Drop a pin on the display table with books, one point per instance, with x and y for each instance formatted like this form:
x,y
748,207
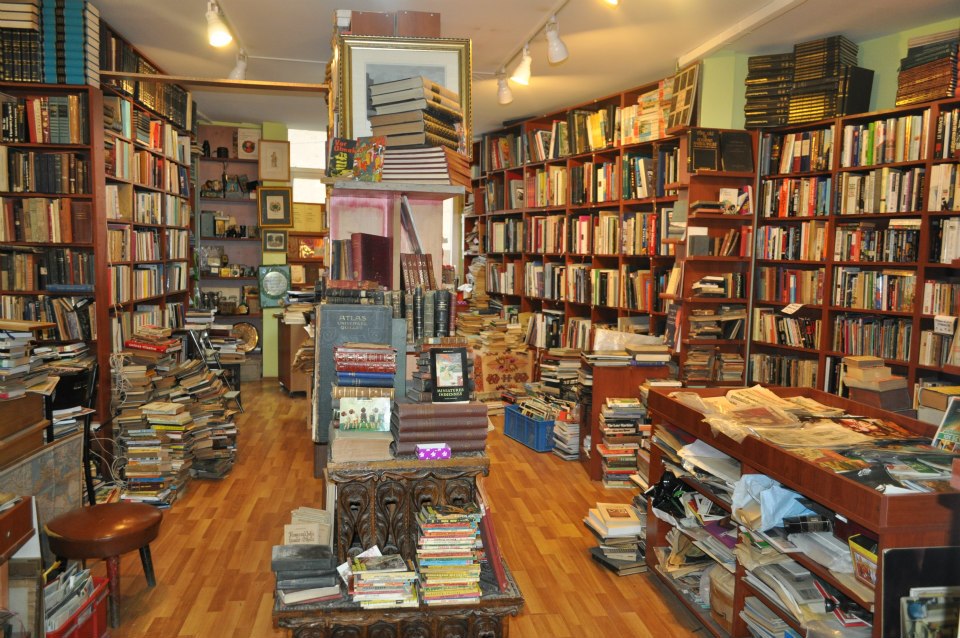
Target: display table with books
x,y
343,618
377,501
860,489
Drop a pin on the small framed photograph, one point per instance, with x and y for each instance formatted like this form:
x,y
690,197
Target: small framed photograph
x,y
275,241
248,143
274,160
274,205
448,367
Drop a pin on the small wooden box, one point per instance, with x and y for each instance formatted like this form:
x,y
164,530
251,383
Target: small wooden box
x,y
418,24
372,23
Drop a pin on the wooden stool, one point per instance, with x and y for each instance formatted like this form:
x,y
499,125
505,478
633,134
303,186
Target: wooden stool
x,y
107,531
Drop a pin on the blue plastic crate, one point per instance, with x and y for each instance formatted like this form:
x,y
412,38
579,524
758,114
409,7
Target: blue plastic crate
x,y
535,434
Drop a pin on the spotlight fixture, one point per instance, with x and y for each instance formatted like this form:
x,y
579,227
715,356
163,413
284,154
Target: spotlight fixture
x,y
240,70
612,2
504,92
521,74
217,32
556,49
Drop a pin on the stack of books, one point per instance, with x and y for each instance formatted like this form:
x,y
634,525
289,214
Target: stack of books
x,y
826,80
623,424
559,372
226,343
462,426
769,80
620,529
448,551
70,42
870,381
416,111
428,165
420,385
363,416
929,71
306,571
157,451
566,439
384,582
21,33
196,319
19,368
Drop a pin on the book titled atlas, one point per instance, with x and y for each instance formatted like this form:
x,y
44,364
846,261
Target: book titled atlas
x,y
448,367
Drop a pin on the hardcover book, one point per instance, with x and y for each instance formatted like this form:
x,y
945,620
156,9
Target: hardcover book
x,y
372,258
294,557
704,146
342,153
338,324
448,367
365,413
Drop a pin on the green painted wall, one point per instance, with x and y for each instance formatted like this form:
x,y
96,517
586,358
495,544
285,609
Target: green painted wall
x,y
721,88
271,328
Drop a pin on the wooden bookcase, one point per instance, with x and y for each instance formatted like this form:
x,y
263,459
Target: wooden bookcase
x,y
901,520
857,230
81,155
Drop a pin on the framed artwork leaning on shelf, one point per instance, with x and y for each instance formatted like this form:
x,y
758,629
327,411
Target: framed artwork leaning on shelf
x,y
274,160
366,60
275,206
275,241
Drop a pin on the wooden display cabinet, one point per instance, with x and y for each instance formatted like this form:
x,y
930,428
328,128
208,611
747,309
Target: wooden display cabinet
x,y
291,337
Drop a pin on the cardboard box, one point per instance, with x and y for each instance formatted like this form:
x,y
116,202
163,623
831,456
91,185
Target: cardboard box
x,y
721,597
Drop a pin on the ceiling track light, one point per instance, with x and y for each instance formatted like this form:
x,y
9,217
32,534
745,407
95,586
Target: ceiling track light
x,y
239,71
612,2
218,34
504,92
556,49
521,74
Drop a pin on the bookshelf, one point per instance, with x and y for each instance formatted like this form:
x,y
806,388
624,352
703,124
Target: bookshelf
x,y
854,507
147,215
52,191
856,203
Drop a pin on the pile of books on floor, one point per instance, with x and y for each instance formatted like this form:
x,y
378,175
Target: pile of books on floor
x,y
416,111
226,343
929,70
380,582
566,438
362,395
623,424
769,80
559,372
305,568
158,453
461,427
448,549
620,529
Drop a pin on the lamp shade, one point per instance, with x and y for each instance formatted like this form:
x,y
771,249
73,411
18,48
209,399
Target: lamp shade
x,y
521,74
556,49
504,92
239,72
217,32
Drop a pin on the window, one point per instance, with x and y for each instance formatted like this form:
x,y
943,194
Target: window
x,y
307,162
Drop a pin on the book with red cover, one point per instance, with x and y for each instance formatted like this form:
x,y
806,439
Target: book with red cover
x,y
82,227
372,257
434,425
418,411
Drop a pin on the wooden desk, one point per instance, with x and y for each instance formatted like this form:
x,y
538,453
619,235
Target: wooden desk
x,y
377,501
345,619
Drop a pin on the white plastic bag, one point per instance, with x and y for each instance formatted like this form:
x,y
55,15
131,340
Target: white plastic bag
x,y
761,503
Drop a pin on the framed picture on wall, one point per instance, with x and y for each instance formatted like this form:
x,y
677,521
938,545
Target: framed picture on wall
x,y
274,241
274,161
275,206
366,60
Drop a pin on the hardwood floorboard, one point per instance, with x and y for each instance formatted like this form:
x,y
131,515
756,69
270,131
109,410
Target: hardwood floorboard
x,y
212,558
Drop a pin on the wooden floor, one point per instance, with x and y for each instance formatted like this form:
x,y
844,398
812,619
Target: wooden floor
x,y
212,559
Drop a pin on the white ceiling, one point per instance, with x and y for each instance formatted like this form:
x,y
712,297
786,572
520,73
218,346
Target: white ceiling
x,y
611,48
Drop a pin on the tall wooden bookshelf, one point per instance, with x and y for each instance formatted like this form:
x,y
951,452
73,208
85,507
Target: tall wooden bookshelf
x,y
864,205
53,256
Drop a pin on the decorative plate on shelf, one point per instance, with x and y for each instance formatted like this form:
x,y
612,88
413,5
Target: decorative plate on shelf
x,y
274,284
247,334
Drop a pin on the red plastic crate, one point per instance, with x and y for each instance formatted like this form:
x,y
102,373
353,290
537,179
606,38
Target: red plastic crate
x,y
90,621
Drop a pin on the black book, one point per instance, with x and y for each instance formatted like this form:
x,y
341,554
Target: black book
x,y
418,313
301,557
619,567
448,367
736,151
704,147
305,573
441,315
308,582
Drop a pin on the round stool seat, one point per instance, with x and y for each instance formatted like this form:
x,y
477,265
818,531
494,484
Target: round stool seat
x,y
103,531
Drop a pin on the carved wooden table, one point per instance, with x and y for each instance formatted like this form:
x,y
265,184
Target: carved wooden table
x,y
377,501
344,619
